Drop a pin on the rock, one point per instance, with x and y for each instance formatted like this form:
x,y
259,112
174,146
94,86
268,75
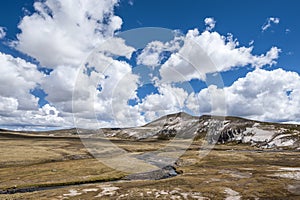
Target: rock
x,y
165,172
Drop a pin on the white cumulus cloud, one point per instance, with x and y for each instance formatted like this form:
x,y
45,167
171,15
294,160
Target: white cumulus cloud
x,y
18,78
105,92
210,52
18,107
266,95
169,99
64,32
261,95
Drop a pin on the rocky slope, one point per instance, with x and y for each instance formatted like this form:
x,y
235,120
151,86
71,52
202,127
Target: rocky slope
x,y
215,129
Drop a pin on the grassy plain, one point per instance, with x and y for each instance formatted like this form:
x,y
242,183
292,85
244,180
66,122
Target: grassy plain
x,y
62,168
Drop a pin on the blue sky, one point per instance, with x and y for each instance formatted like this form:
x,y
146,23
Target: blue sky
x,y
51,51
243,19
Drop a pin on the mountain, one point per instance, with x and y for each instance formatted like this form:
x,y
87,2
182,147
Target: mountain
x,y
215,129
212,129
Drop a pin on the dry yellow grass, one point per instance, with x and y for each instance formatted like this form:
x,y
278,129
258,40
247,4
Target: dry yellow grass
x,y
227,171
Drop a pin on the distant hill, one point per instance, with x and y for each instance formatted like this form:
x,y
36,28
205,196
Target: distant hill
x,y
214,129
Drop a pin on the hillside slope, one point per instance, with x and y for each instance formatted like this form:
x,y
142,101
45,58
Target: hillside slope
x,y
212,129
215,129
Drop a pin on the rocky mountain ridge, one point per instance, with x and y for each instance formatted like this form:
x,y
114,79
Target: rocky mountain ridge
x,y
215,129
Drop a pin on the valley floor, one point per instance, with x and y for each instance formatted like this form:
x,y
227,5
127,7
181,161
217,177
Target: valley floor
x,y
61,168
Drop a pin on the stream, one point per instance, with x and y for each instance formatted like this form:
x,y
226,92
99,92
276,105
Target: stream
x,y
165,172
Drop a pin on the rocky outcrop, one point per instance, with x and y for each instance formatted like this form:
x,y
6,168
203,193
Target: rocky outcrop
x,y
165,172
